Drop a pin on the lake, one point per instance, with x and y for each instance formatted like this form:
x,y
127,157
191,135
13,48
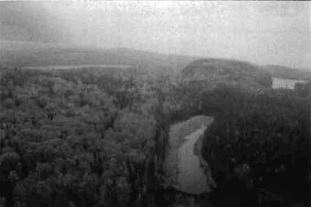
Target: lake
x,y
85,66
285,83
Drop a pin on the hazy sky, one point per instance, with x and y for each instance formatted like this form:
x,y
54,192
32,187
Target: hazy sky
x,y
260,32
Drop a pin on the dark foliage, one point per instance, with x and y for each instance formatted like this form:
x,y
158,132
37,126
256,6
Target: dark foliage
x,y
78,138
258,149
98,137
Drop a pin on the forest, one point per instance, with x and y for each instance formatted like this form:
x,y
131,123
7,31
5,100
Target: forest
x,y
259,148
97,137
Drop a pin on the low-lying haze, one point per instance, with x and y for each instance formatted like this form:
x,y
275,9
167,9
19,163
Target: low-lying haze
x,y
260,32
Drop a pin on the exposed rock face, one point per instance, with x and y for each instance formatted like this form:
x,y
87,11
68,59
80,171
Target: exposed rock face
x,y
211,72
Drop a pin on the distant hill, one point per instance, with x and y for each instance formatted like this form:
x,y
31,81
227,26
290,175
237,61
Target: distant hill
x,y
25,54
286,72
212,72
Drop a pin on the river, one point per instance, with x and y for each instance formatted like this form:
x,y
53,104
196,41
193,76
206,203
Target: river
x,y
187,171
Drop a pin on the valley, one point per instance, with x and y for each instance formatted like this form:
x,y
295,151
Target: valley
x,y
208,132
155,104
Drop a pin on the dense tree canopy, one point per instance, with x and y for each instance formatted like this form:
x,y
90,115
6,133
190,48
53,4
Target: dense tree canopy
x,y
75,138
98,137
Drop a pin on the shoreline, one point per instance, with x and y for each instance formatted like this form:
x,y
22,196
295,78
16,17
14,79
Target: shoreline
x,y
185,165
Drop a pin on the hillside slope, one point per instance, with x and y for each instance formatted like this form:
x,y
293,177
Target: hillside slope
x,y
21,54
211,72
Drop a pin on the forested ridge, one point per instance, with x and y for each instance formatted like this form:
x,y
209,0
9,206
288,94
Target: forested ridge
x,y
98,137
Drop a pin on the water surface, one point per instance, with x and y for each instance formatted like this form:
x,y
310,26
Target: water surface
x,y
285,83
191,177
185,168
